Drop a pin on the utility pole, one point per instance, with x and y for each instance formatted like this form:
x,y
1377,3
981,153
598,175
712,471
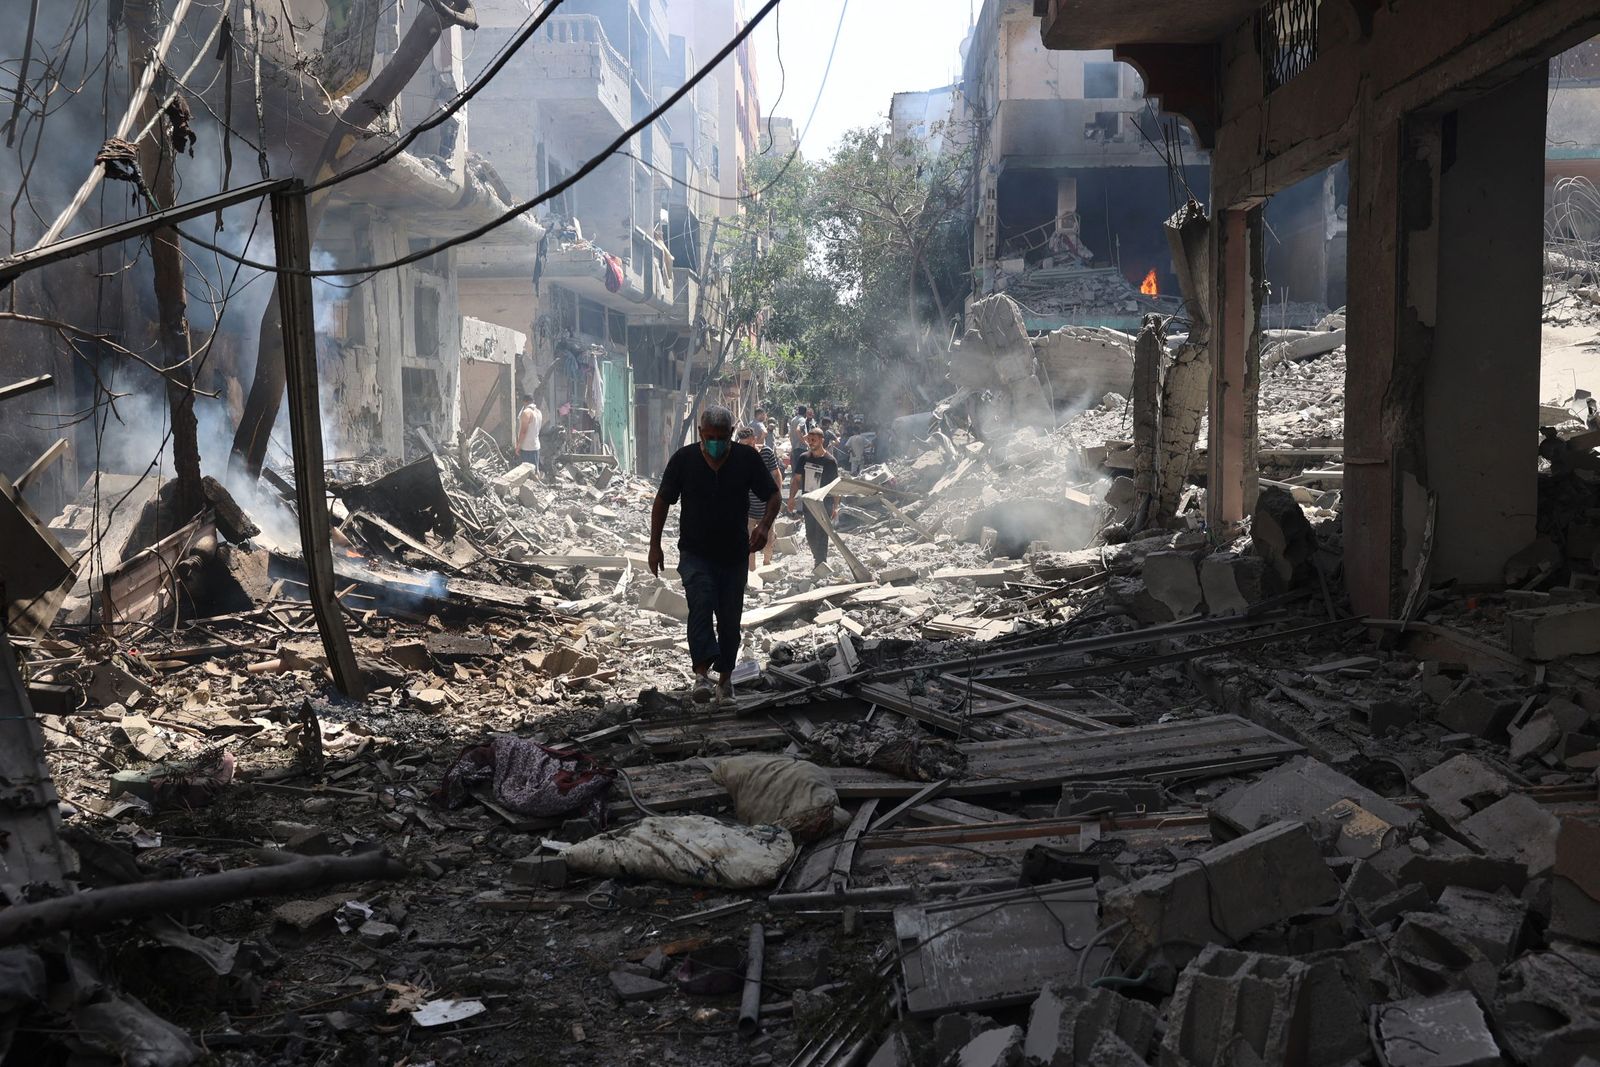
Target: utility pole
x,y
158,164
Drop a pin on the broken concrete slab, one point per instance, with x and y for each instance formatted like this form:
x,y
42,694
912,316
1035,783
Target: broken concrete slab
x,y
1476,713
1545,1008
1303,789
1541,733
1232,582
663,598
1281,535
1443,1031
1578,854
1066,1022
1173,579
1518,828
635,987
1544,634
1190,906
1497,923
1460,786
1001,1047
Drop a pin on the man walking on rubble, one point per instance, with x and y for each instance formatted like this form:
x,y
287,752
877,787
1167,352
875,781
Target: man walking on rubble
x,y
530,422
714,479
814,468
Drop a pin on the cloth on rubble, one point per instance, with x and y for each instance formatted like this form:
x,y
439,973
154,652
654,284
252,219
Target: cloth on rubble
x,y
530,779
901,751
782,791
613,273
687,850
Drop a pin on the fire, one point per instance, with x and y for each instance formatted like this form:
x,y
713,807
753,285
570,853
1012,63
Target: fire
x,y
1149,288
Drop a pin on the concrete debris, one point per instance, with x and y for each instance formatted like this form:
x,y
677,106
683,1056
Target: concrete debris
x,y
1189,906
1449,1030
1283,1011
1070,1026
1183,744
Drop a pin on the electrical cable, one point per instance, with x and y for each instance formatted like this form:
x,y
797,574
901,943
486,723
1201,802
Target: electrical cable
x,y
798,141
532,26
528,205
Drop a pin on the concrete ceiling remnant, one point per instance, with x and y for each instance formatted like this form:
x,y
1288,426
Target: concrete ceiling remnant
x,y
1084,24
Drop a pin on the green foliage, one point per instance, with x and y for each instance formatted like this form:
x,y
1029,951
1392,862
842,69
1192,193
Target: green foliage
x,y
852,269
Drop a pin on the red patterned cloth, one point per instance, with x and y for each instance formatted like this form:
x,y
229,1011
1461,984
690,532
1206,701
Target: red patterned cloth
x,y
530,779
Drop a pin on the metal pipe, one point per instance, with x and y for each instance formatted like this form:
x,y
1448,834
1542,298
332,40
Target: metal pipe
x,y
878,893
750,1005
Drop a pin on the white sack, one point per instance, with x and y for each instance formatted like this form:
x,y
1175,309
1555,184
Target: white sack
x,y
687,850
782,791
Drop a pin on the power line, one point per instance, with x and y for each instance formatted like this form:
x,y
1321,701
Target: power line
x,y
529,28
798,141
527,205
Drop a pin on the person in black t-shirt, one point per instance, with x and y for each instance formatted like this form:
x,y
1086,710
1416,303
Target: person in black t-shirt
x,y
814,468
714,479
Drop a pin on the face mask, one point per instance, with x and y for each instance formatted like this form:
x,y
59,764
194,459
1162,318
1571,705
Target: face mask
x,y
717,449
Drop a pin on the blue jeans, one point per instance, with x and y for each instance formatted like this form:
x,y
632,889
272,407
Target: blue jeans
x,y
529,455
715,592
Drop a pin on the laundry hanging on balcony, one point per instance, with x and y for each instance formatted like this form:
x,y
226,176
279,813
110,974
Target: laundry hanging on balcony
x,y
613,273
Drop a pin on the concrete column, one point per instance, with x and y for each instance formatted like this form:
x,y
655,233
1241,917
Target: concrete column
x,y
1441,408
1067,205
1235,367
1480,392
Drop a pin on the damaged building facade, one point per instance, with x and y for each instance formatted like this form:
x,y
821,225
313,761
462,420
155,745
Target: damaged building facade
x,y
617,301
1075,169
1442,122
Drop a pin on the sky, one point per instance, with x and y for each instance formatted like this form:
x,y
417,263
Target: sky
x,y
886,47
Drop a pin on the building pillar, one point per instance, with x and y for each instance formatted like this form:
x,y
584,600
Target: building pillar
x,y
1444,336
1232,478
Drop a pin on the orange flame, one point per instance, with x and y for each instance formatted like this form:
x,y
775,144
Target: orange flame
x,y
1149,288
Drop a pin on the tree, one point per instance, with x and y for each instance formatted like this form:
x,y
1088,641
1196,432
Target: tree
x,y
854,268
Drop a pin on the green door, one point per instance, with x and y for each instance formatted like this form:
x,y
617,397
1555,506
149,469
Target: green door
x,y
616,422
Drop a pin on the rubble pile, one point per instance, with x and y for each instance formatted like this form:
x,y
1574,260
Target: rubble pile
x,y
993,790
1571,296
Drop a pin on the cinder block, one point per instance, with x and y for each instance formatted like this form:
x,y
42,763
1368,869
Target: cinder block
x,y
1225,893
1553,632
1285,1012
540,869
1067,1022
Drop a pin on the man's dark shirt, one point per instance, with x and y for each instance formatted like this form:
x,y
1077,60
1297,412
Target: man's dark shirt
x,y
715,502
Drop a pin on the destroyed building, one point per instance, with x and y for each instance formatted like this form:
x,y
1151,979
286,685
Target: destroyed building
x,y
1215,689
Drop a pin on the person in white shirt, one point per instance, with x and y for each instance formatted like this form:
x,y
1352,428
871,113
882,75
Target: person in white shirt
x,y
529,423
